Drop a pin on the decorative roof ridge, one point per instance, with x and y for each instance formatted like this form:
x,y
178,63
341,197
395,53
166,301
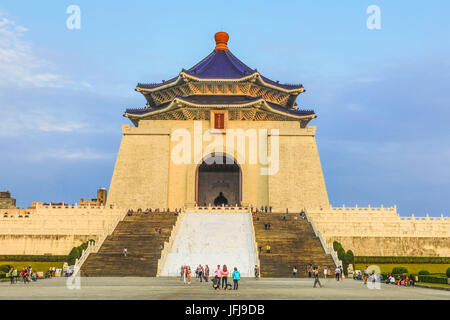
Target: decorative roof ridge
x,y
208,57
235,59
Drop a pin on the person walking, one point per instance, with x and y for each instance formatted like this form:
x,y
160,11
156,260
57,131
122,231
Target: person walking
x,y
125,251
256,272
316,277
14,275
268,248
206,273
325,272
236,277
189,275
24,275
200,272
337,272
185,274
294,271
341,273
219,274
225,274
366,274
310,270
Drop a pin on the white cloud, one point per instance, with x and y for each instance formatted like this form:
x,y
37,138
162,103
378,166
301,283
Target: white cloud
x,y
16,122
71,155
19,66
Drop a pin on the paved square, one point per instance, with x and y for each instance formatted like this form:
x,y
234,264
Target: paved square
x,y
174,289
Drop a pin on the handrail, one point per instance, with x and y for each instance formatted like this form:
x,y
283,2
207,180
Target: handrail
x,y
79,262
168,244
328,249
258,262
93,248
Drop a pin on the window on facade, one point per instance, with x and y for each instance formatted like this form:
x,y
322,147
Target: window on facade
x,y
219,119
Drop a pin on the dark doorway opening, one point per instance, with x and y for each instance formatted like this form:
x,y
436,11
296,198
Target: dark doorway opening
x,y
219,181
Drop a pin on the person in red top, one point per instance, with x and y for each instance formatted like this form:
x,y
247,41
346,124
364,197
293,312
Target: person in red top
x,y
225,274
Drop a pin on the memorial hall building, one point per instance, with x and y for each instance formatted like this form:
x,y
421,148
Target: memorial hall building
x,y
209,148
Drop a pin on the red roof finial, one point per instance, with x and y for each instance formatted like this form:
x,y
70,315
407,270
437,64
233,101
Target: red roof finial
x,y
221,41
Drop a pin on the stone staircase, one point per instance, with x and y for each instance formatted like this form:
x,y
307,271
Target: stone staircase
x,y
137,234
293,243
212,238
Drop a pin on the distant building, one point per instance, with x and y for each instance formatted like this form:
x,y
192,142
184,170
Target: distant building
x,y
6,202
45,204
99,201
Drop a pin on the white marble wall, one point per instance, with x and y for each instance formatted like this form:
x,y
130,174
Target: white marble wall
x,y
210,239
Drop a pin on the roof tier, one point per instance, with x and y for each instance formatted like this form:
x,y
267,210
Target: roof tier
x,y
220,80
197,108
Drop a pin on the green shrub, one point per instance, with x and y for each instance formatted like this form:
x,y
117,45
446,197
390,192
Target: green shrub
x,y
73,255
35,258
424,272
448,272
336,246
392,260
433,279
83,246
399,270
341,254
350,257
5,268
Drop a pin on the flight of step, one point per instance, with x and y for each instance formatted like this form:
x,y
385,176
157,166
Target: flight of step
x,y
137,234
293,243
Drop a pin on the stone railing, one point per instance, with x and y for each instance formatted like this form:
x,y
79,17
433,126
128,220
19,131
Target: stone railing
x,y
327,248
109,230
219,209
168,244
258,263
93,248
79,262
363,209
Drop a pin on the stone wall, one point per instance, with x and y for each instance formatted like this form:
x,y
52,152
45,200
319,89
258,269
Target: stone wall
x,y
145,174
382,232
52,229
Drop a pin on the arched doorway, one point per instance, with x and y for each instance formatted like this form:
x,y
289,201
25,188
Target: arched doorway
x,y
218,181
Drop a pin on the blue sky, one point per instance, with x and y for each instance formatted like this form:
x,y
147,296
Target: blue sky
x,y
382,96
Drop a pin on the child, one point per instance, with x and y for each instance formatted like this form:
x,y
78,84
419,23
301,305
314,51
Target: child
x,y
236,277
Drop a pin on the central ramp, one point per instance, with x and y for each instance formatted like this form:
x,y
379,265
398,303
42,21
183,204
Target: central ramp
x,y
212,238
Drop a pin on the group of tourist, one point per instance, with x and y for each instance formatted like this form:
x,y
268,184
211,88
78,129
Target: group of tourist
x,y
221,275
130,212
401,280
27,275
268,248
314,272
263,209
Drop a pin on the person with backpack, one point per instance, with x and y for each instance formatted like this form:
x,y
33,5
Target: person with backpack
x,y
256,272
236,277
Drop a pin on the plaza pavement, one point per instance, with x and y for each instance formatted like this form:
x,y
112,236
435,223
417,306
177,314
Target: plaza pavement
x,y
174,289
